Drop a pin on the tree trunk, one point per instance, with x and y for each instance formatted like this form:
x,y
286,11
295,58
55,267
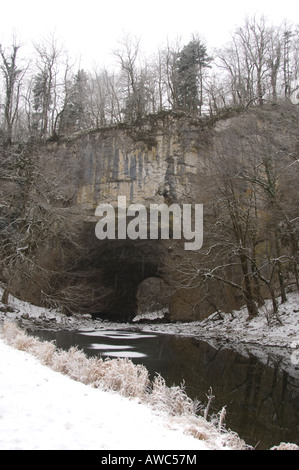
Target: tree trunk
x,y
279,270
250,303
5,297
256,284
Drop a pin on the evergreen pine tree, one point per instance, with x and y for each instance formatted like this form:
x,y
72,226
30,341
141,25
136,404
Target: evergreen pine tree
x,y
192,59
74,112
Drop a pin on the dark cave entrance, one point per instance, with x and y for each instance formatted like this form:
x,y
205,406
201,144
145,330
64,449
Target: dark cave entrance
x,y
113,270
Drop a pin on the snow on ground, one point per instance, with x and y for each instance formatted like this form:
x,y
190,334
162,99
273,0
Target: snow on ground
x,y
41,409
265,336
280,331
44,410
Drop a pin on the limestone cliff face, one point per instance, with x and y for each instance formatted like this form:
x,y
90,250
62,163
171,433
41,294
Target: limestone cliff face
x,y
147,166
163,160
167,158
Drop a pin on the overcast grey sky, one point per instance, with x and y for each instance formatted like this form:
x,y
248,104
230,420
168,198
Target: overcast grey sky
x,y
91,28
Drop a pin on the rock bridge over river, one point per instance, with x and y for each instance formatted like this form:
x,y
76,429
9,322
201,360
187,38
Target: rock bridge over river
x,y
161,161
164,159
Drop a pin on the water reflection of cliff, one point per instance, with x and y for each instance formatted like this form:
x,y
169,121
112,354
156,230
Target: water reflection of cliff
x,y
262,401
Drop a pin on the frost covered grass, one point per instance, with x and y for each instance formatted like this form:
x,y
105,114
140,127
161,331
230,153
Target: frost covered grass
x,y
119,375
129,380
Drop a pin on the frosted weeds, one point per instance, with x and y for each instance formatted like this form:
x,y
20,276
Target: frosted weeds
x,y
130,380
172,400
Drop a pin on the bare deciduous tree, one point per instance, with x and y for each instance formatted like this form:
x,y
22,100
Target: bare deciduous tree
x,y
13,76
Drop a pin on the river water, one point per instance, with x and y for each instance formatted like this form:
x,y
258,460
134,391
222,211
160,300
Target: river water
x,y
261,399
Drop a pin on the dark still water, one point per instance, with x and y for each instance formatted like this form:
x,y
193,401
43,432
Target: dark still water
x,y
262,401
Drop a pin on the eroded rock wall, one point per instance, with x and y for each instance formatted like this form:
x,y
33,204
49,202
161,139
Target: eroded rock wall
x,y
162,162
163,159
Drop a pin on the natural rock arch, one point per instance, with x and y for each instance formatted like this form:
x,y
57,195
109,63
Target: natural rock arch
x,y
152,297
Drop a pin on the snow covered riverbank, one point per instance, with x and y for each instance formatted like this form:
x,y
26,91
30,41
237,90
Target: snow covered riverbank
x,y
266,330
41,408
263,336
